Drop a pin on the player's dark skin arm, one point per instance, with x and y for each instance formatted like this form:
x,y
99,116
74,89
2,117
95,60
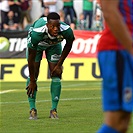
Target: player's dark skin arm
x,y
31,61
65,52
58,68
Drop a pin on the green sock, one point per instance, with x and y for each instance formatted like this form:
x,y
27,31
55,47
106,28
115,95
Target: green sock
x,y
55,91
28,81
32,101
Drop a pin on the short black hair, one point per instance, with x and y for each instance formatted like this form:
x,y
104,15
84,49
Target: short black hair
x,y
53,15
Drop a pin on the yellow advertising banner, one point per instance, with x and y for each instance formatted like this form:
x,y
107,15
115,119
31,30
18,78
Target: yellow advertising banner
x,y
80,69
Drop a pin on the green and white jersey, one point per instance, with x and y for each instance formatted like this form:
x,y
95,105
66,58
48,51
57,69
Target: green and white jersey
x,y
38,34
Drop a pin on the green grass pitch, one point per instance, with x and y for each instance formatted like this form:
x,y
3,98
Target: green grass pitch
x,y
79,109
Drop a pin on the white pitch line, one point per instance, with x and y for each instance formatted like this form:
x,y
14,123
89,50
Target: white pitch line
x,y
75,85
63,86
47,90
6,91
67,99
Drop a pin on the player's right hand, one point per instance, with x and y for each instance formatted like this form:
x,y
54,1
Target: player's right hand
x,y
30,88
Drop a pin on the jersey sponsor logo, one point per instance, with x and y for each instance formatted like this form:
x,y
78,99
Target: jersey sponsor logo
x,y
60,38
43,43
55,57
48,42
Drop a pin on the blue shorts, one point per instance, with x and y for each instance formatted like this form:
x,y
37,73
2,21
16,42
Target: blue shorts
x,y
116,69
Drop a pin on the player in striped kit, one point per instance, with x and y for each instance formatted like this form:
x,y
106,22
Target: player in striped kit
x,y
115,57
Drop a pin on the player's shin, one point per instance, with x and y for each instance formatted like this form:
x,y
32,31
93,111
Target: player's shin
x,y
55,91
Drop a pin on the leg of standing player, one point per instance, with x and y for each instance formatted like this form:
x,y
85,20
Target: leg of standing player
x,y
55,90
53,54
32,100
116,90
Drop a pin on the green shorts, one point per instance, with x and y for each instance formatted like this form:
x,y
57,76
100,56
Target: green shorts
x,y
52,53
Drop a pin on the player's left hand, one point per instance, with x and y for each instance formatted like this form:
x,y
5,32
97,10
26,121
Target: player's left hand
x,y
57,71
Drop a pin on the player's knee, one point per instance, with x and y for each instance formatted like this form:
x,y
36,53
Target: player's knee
x,y
122,125
123,128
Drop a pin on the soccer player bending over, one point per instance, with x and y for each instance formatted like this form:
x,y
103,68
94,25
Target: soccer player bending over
x,y
46,34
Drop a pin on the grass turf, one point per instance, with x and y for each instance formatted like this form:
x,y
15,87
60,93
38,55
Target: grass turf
x,y
79,108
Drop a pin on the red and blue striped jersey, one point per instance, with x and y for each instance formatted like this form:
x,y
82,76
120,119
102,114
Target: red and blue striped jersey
x,y
107,40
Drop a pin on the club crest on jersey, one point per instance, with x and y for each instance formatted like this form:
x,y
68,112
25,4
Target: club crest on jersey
x,y
60,38
127,94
